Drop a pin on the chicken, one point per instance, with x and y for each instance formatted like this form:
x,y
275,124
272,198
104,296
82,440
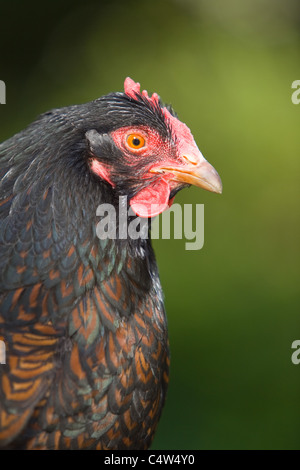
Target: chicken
x,y
82,316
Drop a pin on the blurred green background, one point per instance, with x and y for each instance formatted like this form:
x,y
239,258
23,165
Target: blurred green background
x,y
227,68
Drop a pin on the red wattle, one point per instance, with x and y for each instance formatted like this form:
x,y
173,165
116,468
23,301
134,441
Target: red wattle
x,y
151,200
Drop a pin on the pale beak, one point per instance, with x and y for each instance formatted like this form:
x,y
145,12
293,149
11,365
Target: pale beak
x,y
200,173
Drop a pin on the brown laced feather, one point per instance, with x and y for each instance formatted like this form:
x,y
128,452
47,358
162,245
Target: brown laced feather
x,y
82,319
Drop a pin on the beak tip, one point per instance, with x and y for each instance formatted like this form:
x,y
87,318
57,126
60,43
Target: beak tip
x,y
219,188
214,181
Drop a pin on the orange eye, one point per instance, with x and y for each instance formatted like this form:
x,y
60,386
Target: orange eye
x,y
135,141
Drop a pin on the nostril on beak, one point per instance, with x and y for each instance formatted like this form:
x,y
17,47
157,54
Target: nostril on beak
x,y
191,159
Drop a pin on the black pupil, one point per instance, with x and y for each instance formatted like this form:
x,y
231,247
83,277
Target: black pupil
x,y
136,141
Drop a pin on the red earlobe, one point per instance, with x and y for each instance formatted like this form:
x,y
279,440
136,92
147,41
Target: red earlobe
x,y
100,170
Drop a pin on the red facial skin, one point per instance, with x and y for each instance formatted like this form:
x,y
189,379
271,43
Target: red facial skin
x,y
155,198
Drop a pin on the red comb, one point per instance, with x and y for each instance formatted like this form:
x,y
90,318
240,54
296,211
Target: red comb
x,y
133,88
